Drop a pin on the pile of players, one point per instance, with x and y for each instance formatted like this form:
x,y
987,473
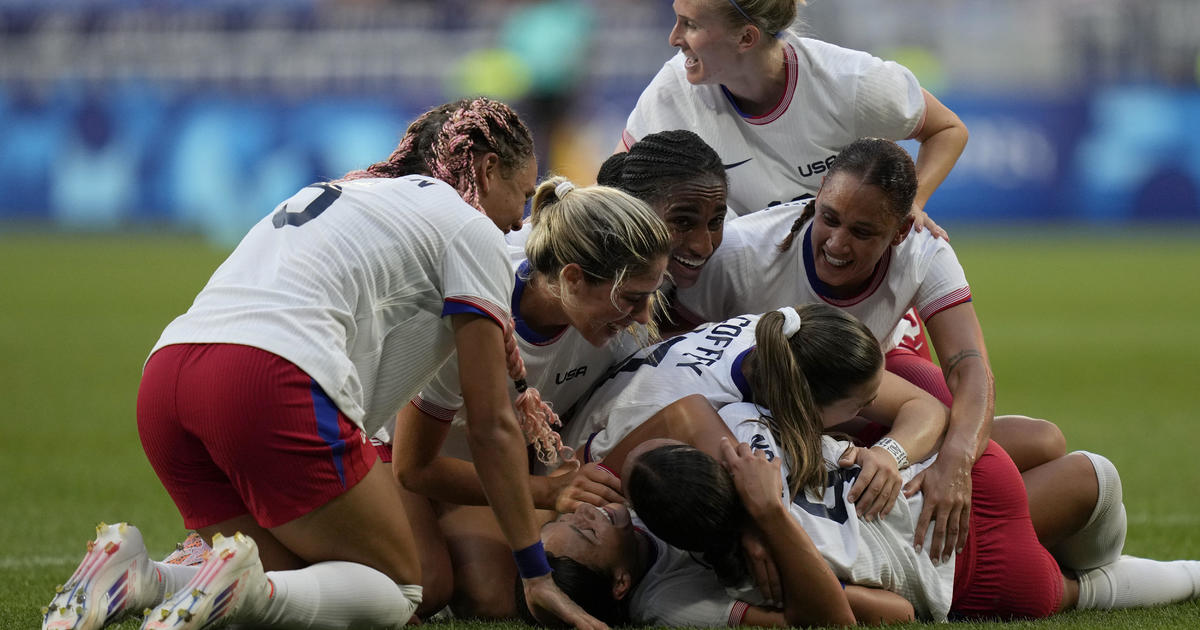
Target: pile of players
x,y
357,415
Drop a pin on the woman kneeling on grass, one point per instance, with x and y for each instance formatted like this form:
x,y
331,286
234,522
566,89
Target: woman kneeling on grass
x,y
255,406
584,284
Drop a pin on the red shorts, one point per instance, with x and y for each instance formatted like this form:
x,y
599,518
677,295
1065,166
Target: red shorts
x,y
233,429
1004,572
919,371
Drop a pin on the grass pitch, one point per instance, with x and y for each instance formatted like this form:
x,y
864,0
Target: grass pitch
x,y
1098,332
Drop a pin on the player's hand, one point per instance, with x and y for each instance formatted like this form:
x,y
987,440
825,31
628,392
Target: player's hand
x,y
762,567
947,488
587,484
551,607
758,480
922,220
878,485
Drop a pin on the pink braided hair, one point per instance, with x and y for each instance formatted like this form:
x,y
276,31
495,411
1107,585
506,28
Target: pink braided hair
x,y
470,126
534,415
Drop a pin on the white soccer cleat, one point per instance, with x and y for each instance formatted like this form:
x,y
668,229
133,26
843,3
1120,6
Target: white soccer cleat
x,y
114,579
229,582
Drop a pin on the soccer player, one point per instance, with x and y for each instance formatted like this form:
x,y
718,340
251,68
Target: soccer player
x,y
747,358
1003,571
255,405
585,280
682,178
778,107
852,247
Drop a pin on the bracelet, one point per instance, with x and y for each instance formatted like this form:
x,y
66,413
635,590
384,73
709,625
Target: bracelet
x,y
895,450
531,561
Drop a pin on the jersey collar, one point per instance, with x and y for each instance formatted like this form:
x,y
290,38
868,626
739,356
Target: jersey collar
x,y
739,379
823,290
522,329
791,70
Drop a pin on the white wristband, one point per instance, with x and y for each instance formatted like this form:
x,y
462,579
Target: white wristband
x,y
895,450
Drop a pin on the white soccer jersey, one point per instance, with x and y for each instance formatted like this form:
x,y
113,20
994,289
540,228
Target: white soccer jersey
x,y
350,282
679,591
834,96
562,368
877,553
705,361
748,274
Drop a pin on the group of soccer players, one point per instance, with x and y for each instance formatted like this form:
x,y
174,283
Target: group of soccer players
x,y
387,316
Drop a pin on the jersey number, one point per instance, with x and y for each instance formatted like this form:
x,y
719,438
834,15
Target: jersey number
x,y
836,483
329,194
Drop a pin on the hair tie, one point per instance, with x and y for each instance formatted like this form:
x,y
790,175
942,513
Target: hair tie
x,y
791,321
563,188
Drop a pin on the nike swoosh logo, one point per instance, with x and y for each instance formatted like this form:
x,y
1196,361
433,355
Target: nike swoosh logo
x,y
729,166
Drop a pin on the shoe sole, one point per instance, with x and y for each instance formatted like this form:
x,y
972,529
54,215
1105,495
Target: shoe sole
x,y
93,597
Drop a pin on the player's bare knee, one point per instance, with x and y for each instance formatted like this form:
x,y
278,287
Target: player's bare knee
x,y
1029,441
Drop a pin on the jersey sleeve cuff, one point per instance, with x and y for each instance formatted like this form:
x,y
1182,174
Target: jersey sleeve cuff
x,y
475,305
954,298
738,613
627,139
439,413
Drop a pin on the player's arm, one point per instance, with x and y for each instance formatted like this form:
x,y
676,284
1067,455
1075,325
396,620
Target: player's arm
x,y
498,448
812,595
875,606
419,468
943,138
690,419
918,422
958,340
917,419
871,607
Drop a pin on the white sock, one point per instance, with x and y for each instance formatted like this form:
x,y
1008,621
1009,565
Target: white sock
x,y
1102,539
338,595
1136,582
171,577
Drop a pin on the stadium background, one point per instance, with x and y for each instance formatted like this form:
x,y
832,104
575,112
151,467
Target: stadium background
x,y
139,139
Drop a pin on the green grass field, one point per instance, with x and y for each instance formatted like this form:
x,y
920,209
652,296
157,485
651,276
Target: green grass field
x,y
1098,332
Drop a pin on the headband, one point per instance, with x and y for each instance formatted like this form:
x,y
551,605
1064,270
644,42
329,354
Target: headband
x,y
563,188
739,10
791,321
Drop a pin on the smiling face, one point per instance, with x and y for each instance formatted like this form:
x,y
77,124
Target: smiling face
x,y
694,210
598,312
846,409
707,42
601,539
852,228
504,196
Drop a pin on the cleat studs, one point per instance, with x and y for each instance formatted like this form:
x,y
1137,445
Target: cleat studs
x,y
91,544
146,612
167,597
79,610
58,589
166,612
79,598
46,610
217,538
184,615
111,547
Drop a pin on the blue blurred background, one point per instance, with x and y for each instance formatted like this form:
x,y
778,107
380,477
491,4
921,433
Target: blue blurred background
x,y
200,116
